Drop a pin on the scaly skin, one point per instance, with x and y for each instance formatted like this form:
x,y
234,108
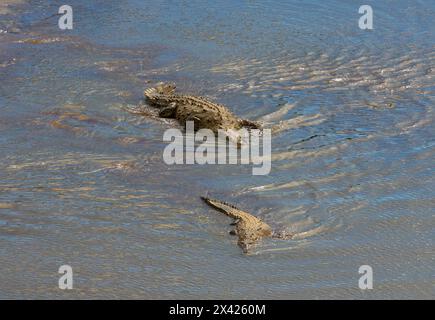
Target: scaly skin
x,y
204,113
249,229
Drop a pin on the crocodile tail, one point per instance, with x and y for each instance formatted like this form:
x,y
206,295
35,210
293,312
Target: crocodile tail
x,y
224,207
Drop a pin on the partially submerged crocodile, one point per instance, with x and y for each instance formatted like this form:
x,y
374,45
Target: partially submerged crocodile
x,y
204,113
249,229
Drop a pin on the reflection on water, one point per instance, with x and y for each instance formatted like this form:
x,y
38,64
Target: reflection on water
x,y
82,181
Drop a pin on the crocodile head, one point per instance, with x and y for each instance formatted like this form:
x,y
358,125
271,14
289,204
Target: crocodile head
x,y
165,88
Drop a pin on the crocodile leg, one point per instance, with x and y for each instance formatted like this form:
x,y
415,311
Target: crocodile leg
x,y
283,235
234,223
196,122
169,111
249,124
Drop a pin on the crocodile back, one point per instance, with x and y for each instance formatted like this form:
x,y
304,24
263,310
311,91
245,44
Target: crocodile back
x,y
250,232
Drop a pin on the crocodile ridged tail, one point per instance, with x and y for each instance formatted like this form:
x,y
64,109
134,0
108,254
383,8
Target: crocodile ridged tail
x,y
224,207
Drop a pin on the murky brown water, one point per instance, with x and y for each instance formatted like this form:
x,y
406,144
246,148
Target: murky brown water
x,y
83,183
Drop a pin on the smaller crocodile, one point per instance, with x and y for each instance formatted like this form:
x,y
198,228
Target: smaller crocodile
x,y
249,229
204,113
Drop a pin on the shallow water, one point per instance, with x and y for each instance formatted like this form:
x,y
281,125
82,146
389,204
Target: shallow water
x,y
83,183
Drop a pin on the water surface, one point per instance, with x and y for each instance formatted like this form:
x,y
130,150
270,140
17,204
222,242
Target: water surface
x,y
82,182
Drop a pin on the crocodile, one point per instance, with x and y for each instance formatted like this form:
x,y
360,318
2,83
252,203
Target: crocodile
x,y
204,113
249,229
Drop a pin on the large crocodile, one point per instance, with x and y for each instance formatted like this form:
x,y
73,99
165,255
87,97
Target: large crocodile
x,y
204,113
249,229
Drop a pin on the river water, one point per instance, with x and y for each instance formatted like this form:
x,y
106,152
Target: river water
x,y
83,182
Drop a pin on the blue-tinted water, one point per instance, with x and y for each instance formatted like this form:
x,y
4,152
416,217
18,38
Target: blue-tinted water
x,y
83,183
